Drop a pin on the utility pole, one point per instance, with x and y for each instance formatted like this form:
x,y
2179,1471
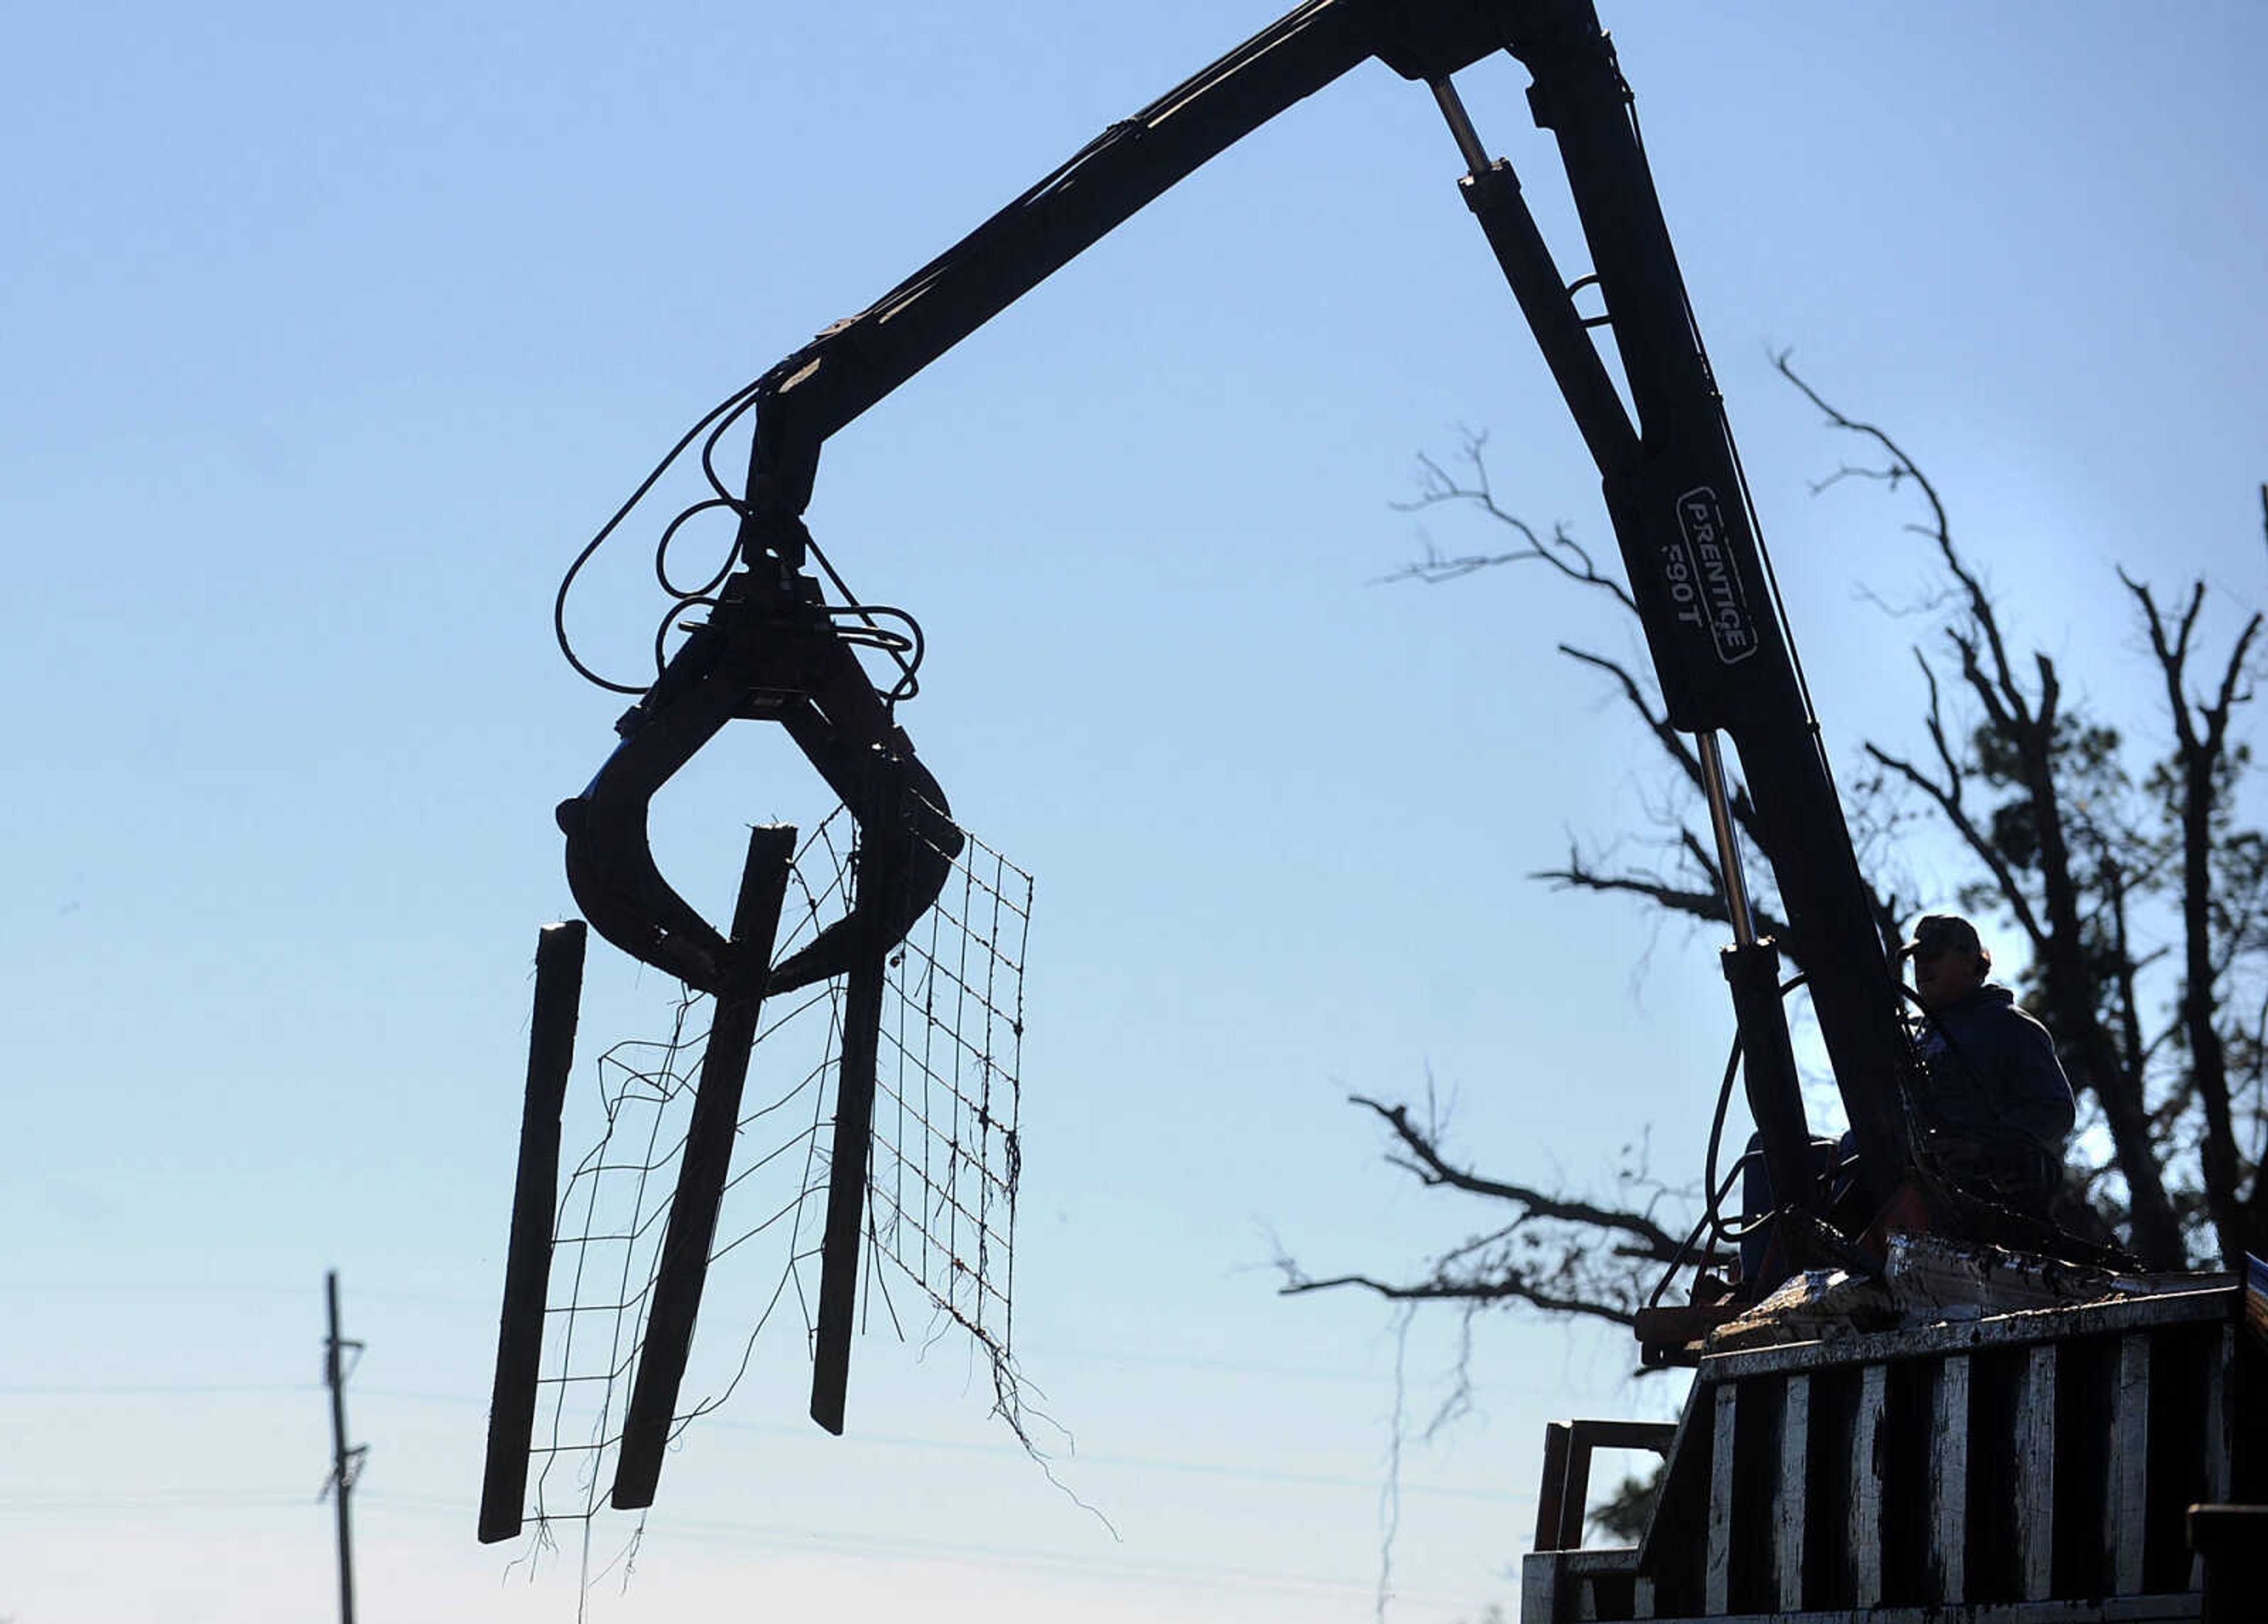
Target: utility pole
x,y
346,1463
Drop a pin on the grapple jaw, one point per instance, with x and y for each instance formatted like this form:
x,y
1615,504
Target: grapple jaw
x,y
769,650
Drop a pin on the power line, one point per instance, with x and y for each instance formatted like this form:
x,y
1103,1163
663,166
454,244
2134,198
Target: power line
x,y
154,1390
1139,1463
775,1536
727,1424
1125,1463
181,1500
1128,1463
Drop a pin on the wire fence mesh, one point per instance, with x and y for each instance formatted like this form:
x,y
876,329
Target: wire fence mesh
x,y
941,1188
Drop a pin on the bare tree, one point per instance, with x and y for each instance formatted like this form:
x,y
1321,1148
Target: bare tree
x,y
2221,896
1560,1254
2142,897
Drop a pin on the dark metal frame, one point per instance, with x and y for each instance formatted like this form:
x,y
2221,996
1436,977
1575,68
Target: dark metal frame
x,y
1565,1486
702,1167
535,1194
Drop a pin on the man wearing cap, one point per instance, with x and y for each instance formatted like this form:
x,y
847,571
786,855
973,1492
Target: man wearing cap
x,y
1996,1106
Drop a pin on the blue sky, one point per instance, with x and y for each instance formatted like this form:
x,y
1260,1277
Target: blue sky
x,y
333,335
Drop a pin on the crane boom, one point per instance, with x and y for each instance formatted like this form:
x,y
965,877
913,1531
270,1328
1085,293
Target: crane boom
x,y
1670,474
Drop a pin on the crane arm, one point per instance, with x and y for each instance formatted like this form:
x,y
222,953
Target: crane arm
x,y
1683,523
1671,478
830,381
717,675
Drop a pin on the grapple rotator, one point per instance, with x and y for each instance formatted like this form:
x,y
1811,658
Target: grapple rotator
x,y
769,650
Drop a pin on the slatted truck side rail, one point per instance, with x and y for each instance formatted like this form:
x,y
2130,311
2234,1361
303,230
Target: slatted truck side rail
x,y
2016,1469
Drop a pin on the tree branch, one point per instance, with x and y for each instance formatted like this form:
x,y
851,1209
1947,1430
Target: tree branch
x,y
1434,1169
1457,1290
1561,551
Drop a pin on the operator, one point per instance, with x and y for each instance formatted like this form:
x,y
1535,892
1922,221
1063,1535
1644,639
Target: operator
x,y
1996,1106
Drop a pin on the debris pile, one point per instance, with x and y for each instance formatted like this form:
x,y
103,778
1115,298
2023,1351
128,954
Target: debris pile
x,y
1928,1280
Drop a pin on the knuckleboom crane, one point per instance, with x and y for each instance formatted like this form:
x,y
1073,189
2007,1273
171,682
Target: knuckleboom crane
x,y
773,646
1672,480
2046,1461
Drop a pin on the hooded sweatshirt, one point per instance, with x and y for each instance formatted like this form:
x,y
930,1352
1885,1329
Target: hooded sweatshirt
x,y
1993,1076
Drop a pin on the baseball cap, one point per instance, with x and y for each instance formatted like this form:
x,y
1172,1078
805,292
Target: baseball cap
x,y
1934,933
